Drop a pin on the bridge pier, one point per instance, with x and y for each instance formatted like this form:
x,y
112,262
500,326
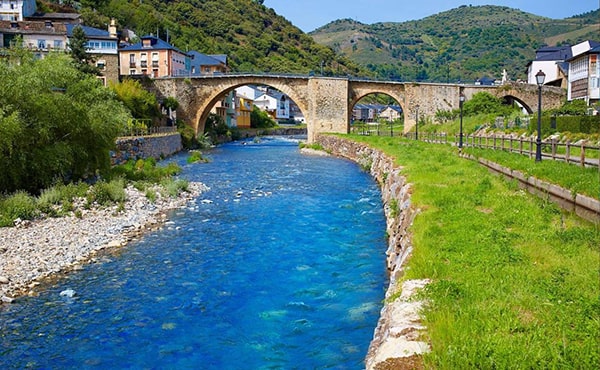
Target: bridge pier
x,y
327,106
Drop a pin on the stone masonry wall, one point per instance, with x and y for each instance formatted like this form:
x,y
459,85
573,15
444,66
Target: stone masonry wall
x,y
142,147
396,338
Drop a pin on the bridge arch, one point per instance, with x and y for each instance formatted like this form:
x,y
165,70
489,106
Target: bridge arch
x,y
390,111
196,96
203,108
510,100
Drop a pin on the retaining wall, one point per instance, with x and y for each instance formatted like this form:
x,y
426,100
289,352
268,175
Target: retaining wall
x,y
142,147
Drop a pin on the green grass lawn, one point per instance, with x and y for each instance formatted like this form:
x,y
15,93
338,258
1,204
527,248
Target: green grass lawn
x,y
569,176
515,280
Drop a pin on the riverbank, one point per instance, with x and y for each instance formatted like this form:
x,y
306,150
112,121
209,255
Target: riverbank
x,y
32,251
499,285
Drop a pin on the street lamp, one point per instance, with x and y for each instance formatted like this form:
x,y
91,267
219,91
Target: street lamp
x,y
417,124
539,77
461,99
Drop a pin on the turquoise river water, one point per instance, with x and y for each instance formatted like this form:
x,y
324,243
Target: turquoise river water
x,y
279,266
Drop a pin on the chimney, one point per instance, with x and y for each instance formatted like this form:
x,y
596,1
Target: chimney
x,y
112,29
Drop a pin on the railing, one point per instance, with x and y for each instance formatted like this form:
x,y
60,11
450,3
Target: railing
x,y
148,131
580,152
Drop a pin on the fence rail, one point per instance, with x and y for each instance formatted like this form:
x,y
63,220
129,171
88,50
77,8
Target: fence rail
x,y
580,152
149,131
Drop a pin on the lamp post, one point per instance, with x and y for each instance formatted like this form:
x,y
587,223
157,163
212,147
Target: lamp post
x,y
461,99
539,77
417,124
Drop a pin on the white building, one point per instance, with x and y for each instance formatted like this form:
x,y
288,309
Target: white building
x,y
16,10
584,76
248,91
549,60
275,103
41,37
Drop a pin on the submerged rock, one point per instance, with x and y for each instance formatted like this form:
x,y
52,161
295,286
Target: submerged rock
x,y
69,293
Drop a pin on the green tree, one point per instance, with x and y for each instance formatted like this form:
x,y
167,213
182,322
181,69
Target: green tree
x,y
141,103
572,108
78,51
56,123
485,103
260,119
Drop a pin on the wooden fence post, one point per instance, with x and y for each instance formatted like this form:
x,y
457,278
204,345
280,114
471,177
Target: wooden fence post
x,y
583,142
530,147
520,145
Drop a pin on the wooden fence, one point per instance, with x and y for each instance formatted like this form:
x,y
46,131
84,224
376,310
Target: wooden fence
x,y
581,152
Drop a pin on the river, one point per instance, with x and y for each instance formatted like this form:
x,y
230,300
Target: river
x,y
280,265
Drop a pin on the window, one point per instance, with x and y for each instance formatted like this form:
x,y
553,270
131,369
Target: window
x,y
41,44
58,44
132,71
101,64
131,60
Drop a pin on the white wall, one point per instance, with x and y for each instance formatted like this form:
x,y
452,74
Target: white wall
x,y
548,67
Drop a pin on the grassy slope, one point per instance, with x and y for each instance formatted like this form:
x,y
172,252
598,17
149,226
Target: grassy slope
x,y
515,280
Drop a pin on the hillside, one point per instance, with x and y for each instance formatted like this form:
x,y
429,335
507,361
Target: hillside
x,y
253,36
461,44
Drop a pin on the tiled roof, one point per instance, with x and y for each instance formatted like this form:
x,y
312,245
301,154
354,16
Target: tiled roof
x,y
63,16
90,32
156,44
550,53
199,59
32,27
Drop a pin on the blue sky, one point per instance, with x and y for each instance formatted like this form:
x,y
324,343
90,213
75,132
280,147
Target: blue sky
x,y
311,14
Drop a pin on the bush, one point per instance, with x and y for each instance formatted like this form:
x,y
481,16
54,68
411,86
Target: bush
x,y
575,124
104,193
144,170
18,205
196,157
188,136
172,187
260,119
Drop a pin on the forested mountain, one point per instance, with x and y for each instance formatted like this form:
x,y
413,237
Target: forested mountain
x,y
253,36
464,44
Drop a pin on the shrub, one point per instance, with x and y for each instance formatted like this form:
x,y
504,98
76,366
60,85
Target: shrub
x,y
195,157
151,195
18,205
105,193
172,187
188,136
144,170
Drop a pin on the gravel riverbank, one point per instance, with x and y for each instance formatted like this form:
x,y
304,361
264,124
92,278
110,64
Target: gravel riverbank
x,y
32,251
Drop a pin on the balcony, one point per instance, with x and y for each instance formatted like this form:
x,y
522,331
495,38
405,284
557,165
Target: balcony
x,y
132,64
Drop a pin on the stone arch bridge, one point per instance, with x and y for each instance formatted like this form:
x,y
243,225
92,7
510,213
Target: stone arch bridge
x,y
327,102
